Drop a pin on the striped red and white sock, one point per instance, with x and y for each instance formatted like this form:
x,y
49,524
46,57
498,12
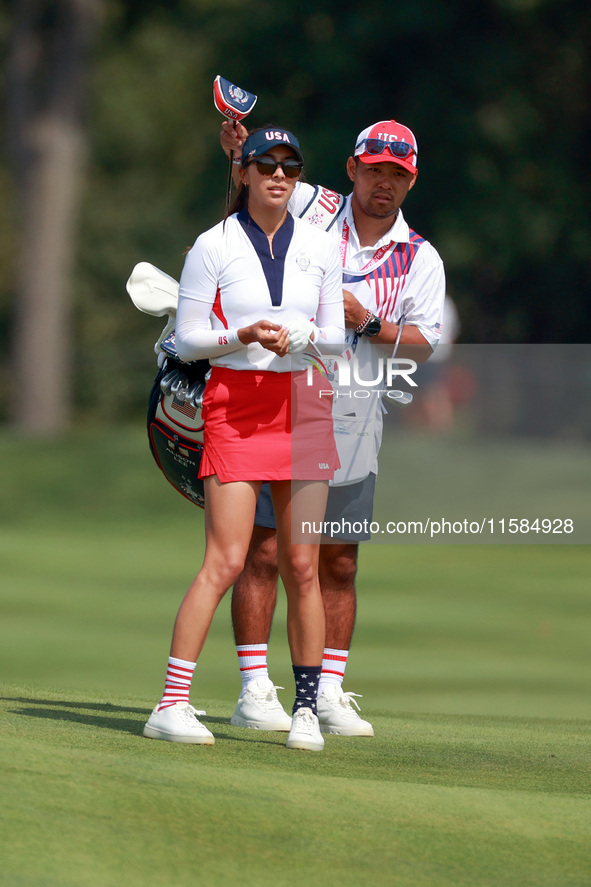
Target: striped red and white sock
x,y
178,682
334,663
252,659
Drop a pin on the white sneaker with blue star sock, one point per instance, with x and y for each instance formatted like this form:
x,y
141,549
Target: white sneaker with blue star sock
x,y
305,731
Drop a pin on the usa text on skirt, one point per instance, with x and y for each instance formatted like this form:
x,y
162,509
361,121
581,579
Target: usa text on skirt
x,y
267,426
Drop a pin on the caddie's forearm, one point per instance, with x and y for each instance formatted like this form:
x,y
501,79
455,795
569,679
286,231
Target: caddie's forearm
x,y
420,349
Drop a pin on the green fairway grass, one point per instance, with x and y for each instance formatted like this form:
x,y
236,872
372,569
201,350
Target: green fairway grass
x,y
432,800
473,662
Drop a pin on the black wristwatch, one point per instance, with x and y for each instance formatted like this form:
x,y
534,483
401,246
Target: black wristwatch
x,y
373,327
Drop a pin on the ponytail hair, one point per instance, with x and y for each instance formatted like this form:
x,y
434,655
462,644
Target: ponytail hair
x,y
240,201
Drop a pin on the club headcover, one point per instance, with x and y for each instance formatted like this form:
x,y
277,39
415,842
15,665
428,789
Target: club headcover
x,y
231,101
152,291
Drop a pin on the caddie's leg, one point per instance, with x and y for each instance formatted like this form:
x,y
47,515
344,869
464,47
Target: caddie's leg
x,y
253,604
337,571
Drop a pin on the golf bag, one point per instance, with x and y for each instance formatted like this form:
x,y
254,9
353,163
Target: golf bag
x,y
175,426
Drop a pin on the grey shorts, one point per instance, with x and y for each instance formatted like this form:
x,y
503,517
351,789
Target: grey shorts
x,y
350,507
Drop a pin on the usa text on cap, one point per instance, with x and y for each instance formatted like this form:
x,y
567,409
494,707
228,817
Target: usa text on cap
x,y
260,142
388,142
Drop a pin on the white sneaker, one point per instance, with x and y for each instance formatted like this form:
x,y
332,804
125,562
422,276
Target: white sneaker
x,y
260,708
178,723
337,715
305,731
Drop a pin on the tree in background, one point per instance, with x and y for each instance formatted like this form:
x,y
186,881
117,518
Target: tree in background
x,y
46,76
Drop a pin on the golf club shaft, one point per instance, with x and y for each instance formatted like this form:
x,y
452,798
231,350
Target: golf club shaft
x,y
229,186
401,323
319,353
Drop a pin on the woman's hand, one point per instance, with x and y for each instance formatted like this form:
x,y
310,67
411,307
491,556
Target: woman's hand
x,y
271,336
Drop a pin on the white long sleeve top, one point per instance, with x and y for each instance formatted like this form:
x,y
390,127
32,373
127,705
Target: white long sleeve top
x,y
231,280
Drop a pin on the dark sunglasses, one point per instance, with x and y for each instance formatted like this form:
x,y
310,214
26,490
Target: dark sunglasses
x,y
266,166
397,149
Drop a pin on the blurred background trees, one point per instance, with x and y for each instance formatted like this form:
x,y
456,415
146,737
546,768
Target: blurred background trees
x,y
45,95
497,93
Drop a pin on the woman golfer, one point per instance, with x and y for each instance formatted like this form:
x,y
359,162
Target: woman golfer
x,y
259,276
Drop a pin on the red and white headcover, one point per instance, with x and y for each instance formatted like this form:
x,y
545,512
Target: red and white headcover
x,y
388,131
231,101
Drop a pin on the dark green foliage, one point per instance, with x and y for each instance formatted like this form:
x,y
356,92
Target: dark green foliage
x,y
497,92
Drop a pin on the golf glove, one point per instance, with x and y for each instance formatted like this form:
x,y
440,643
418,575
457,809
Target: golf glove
x,y
300,333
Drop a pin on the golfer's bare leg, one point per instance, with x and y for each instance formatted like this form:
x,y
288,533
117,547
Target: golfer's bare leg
x,y
226,505
255,590
298,566
337,571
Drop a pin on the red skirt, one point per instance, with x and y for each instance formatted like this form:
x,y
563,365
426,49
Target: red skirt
x,y
267,426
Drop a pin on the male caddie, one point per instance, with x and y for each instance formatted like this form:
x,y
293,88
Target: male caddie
x,y
391,276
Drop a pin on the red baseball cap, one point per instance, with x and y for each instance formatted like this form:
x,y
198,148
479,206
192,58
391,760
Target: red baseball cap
x,y
388,142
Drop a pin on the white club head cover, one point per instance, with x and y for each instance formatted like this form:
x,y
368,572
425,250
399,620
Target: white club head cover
x,y
299,334
153,291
